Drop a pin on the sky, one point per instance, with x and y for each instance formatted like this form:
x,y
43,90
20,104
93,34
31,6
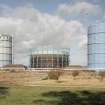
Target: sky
x,y
50,23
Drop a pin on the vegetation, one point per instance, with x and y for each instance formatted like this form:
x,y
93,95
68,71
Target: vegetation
x,y
102,75
75,73
19,95
54,74
51,92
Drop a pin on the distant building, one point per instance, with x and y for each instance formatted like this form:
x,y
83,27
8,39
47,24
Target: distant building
x,y
49,58
15,67
76,67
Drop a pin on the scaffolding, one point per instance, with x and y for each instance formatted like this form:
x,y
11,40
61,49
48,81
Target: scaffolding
x,y
49,58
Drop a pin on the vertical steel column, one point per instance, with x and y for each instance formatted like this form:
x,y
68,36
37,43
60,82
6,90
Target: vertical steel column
x,y
12,41
57,61
62,61
41,61
37,62
33,61
52,60
66,61
46,59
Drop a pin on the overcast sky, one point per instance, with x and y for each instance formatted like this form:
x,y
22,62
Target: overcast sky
x,y
50,23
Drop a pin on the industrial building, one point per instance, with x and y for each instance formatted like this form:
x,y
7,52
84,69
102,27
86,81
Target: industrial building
x,y
96,46
49,58
14,67
5,49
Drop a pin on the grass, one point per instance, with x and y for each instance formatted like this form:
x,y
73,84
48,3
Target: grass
x,y
46,95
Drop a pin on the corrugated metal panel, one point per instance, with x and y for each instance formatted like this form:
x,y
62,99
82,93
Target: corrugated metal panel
x,y
96,46
5,49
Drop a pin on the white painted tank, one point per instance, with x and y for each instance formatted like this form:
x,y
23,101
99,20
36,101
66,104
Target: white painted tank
x,y
5,49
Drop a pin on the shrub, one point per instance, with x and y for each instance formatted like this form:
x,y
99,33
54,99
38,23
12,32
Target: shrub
x,y
45,78
75,73
102,75
12,70
54,74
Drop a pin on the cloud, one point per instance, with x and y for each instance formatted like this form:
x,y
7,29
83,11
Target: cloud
x,y
80,8
32,28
